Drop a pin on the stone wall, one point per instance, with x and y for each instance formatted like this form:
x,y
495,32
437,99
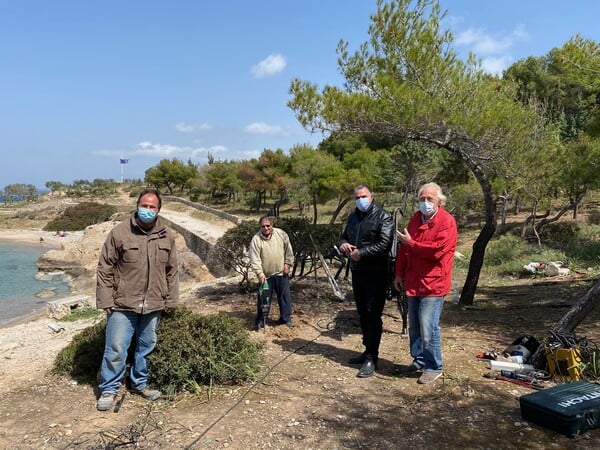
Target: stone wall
x,y
194,242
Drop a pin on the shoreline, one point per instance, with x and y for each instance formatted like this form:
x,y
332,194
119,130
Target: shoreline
x,y
50,239
31,237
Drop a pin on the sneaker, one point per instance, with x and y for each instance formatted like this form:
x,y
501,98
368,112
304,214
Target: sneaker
x,y
148,394
289,324
412,368
105,401
428,377
258,325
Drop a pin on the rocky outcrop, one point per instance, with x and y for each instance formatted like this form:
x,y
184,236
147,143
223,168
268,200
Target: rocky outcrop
x,y
79,252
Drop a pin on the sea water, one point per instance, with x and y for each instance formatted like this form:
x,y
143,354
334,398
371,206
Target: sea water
x,y
20,281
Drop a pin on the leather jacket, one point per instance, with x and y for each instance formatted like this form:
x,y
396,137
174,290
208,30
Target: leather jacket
x,y
372,233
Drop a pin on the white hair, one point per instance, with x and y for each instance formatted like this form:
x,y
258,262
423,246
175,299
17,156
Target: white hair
x,y
440,195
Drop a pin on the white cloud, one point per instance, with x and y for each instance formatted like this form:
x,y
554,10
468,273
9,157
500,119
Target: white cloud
x,y
271,65
263,128
148,148
494,51
185,127
496,66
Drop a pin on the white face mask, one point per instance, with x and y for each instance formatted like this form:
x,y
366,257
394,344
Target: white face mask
x,y
426,208
363,203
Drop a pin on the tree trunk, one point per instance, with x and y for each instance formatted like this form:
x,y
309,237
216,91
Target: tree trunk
x,y
570,320
337,211
468,291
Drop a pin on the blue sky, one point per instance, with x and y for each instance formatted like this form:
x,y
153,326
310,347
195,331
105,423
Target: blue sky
x,y
84,82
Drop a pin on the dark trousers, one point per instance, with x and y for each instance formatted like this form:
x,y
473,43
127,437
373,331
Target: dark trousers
x,y
279,285
369,293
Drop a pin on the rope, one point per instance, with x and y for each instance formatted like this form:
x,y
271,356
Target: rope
x,y
266,374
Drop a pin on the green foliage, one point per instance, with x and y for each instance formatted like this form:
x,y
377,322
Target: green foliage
x,y
508,254
18,192
171,174
205,350
85,188
506,248
594,217
305,236
192,349
81,359
82,314
230,253
80,216
316,177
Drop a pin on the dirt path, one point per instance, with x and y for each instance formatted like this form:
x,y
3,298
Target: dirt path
x,y
211,230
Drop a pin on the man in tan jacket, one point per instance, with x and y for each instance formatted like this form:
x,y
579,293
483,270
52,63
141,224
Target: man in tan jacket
x,y
271,258
137,279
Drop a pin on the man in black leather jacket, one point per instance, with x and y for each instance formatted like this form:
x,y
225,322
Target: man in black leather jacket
x,y
366,240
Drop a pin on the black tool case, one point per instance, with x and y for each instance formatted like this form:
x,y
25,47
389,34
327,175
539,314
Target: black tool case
x,y
569,408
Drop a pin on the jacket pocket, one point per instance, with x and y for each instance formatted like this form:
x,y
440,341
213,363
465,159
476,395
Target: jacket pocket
x,y
164,250
429,284
131,253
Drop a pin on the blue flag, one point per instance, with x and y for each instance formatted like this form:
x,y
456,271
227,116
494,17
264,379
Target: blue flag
x,y
124,161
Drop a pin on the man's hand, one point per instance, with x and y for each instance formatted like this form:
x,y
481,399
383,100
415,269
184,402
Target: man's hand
x,y
355,254
262,278
403,237
347,248
286,269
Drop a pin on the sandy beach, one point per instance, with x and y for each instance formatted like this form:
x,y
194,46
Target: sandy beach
x,y
33,236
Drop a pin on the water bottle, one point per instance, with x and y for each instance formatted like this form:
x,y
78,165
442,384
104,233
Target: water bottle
x,y
455,294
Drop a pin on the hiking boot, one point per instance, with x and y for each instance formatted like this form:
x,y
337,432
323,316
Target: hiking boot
x,y
429,377
105,401
289,324
258,325
148,394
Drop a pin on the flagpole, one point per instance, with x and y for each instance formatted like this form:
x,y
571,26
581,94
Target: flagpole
x,y
121,162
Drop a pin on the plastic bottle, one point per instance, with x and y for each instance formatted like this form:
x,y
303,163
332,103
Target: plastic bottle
x,y
455,294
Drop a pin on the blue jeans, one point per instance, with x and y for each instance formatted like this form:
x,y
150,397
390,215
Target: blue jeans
x,y
121,327
424,332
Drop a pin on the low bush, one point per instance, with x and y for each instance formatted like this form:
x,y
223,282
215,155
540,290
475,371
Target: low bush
x,y
82,357
80,216
205,350
192,350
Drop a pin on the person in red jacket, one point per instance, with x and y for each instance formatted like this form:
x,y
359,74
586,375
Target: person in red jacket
x,y
424,270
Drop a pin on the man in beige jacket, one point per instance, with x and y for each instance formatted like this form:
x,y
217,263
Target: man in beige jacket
x,y
271,258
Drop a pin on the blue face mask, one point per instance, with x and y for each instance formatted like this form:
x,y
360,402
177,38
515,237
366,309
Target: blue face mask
x,y
146,215
426,209
363,203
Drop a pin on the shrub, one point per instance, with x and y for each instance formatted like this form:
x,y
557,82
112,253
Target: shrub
x,y
230,253
593,217
205,350
192,350
81,359
80,216
506,248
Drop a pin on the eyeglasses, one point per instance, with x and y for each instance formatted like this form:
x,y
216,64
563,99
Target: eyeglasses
x,y
265,226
